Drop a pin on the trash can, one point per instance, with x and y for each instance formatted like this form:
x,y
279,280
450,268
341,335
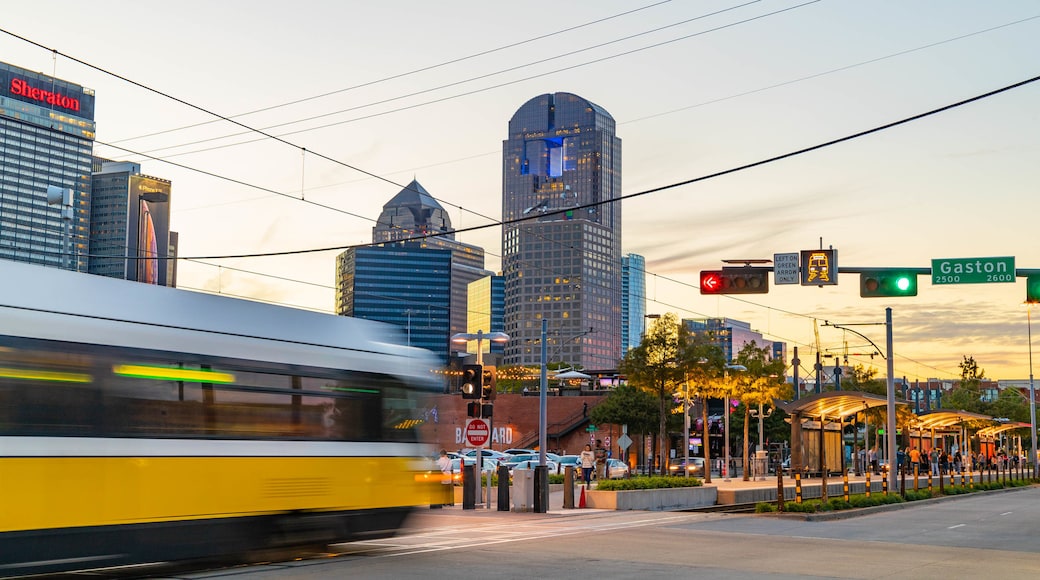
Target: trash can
x,y
761,463
523,490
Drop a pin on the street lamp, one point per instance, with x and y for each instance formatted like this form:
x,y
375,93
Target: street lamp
x,y
761,415
726,370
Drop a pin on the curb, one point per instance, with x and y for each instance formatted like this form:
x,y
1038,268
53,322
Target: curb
x,y
857,512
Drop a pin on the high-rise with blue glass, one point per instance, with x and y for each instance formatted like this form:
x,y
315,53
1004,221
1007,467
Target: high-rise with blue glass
x,y
633,301
46,141
561,166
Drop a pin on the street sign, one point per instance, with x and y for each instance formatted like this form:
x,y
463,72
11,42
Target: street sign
x,y
973,270
819,267
477,433
785,268
624,441
592,428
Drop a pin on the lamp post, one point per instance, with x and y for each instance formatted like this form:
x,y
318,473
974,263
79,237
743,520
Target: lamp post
x,y
725,466
1032,392
479,336
761,415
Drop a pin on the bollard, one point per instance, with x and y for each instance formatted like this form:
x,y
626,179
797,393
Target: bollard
x,y
503,488
845,485
798,487
942,479
929,482
469,487
962,477
568,487
884,482
541,489
779,489
902,482
868,484
917,473
971,479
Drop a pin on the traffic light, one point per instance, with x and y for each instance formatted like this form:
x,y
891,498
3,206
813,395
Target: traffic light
x,y
888,282
473,410
1033,289
472,375
489,384
743,280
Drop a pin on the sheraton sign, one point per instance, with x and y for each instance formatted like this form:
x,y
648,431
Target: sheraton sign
x,y
21,88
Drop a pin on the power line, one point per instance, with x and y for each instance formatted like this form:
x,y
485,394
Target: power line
x,y
405,74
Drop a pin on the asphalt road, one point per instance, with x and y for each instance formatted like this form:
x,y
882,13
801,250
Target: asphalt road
x,y
990,536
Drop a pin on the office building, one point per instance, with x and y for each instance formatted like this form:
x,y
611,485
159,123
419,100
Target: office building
x,y
487,300
46,141
731,336
561,162
633,301
130,224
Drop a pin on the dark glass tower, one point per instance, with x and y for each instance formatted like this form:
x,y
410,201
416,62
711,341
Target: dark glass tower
x,y
46,141
565,264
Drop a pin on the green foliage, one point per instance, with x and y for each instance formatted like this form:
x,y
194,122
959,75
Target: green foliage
x,y
627,405
807,507
920,494
556,478
763,507
654,482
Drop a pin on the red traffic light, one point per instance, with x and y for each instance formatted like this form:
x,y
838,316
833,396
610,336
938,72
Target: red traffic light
x,y
746,280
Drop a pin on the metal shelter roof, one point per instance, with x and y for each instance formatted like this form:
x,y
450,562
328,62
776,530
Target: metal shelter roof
x,y
946,418
834,404
997,429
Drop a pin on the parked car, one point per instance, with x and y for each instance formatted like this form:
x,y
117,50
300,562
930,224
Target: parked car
x,y
550,458
696,467
617,469
497,455
566,461
531,464
521,451
487,465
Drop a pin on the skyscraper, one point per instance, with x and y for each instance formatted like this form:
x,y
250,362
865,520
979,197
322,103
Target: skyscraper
x,y
46,137
130,215
560,162
633,301
421,284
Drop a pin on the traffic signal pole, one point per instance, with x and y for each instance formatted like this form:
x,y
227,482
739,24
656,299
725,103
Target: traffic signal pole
x,y
890,427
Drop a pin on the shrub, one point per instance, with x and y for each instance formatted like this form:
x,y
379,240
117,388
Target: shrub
x,y
807,507
653,482
765,507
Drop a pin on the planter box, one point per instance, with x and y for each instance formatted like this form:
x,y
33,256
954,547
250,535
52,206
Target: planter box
x,y
653,499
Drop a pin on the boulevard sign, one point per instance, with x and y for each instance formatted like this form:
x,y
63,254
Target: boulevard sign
x,y
973,270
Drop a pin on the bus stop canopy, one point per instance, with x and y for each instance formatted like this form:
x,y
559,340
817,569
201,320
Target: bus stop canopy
x,y
947,418
995,430
834,404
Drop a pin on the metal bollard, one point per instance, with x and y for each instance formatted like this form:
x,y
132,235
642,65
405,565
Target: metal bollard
x,y
942,480
568,487
845,485
469,487
503,488
917,473
929,483
798,487
868,483
779,489
902,482
884,482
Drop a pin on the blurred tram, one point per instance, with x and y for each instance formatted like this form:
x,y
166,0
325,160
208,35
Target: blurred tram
x,y
145,424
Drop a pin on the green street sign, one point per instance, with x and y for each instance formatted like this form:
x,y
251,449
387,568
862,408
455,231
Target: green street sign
x,y
973,270
592,428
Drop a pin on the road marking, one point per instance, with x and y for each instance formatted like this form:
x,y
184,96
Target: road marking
x,y
1007,513
957,526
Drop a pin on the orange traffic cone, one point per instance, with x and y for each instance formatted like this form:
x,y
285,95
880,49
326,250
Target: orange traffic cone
x,y
581,500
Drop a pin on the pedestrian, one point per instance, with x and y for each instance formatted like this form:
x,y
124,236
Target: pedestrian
x,y
872,457
588,462
601,459
444,464
915,459
935,460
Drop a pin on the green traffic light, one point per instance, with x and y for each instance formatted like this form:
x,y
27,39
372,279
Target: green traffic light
x,y
1033,289
887,283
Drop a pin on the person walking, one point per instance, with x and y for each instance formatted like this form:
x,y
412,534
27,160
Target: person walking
x,y
444,464
587,459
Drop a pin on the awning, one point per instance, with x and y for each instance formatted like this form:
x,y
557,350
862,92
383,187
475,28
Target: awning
x,y
834,404
998,429
947,418
571,375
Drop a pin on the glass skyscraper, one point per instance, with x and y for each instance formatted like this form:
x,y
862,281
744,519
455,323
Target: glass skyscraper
x,y
487,297
564,264
46,141
633,301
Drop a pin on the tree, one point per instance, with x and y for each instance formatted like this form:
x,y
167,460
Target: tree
x,y
704,375
967,395
760,384
627,405
655,367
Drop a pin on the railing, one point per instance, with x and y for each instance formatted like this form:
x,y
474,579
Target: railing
x,y
561,428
